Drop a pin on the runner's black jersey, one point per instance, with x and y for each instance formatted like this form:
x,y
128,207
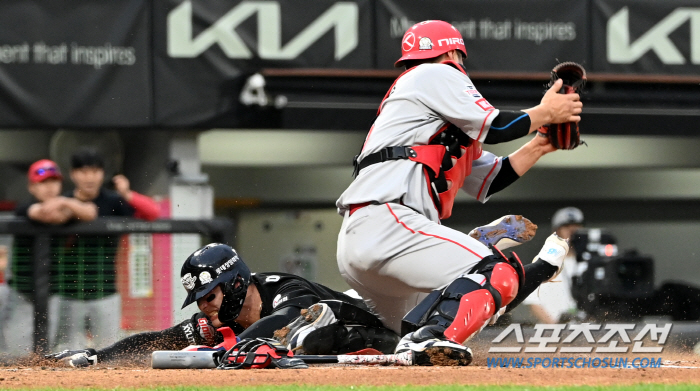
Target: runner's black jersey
x,y
283,297
282,290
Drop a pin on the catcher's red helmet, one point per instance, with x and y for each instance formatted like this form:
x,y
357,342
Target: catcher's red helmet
x,y
430,39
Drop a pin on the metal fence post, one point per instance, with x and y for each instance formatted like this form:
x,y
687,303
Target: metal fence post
x,y
41,262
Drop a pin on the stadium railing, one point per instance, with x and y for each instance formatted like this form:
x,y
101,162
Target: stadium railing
x,y
216,229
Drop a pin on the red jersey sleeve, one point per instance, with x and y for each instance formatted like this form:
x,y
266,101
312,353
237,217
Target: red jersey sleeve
x,y
145,207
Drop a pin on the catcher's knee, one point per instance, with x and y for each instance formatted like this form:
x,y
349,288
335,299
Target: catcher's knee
x,y
505,276
505,280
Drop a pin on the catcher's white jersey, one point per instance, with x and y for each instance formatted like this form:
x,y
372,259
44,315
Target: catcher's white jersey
x,y
394,252
420,103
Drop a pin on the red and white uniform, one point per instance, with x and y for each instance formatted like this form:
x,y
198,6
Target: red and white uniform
x,y
394,251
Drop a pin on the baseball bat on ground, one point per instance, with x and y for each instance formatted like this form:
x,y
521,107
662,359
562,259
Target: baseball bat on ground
x,y
401,359
176,359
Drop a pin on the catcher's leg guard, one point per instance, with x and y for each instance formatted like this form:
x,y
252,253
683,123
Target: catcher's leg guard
x,y
474,311
440,306
476,308
465,306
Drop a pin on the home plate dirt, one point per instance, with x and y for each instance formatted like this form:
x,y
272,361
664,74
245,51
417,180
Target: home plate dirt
x,y
679,368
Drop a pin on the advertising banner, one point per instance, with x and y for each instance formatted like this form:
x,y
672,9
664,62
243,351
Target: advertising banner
x,y
205,49
75,63
500,35
183,63
657,37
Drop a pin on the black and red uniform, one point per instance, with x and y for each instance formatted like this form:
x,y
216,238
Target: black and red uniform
x,y
283,297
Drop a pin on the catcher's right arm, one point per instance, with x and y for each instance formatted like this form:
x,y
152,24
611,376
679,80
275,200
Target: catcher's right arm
x,y
566,135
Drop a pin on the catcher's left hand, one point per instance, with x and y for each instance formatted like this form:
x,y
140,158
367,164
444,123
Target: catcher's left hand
x,y
565,135
76,358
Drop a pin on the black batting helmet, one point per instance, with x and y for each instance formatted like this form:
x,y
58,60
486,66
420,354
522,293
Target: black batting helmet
x,y
213,265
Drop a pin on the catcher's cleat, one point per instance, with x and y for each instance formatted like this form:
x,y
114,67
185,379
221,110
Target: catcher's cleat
x,y
508,231
313,318
431,350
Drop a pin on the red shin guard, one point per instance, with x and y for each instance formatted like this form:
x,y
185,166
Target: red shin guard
x,y
475,310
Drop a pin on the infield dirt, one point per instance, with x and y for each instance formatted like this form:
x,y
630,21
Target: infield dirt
x,y
109,376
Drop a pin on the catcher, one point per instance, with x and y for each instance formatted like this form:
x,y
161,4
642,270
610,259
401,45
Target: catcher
x,y
254,306
424,146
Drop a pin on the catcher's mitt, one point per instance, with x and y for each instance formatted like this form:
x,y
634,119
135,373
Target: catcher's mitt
x,y
566,135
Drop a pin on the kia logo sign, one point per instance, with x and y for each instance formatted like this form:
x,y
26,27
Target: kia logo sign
x,y
622,49
342,18
408,42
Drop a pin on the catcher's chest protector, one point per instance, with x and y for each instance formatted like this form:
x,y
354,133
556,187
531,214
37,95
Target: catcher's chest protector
x,y
447,164
447,159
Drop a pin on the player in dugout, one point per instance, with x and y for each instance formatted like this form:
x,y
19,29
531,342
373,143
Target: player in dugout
x,y
83,274
253,305
47,206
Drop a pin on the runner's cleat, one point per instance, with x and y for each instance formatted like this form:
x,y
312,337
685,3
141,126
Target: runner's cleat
x,y
313,318
508,231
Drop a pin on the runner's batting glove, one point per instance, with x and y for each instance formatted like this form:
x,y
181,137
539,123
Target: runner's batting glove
x,y
76,358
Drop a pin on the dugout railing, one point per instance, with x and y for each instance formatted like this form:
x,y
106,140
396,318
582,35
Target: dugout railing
x,y
216,229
